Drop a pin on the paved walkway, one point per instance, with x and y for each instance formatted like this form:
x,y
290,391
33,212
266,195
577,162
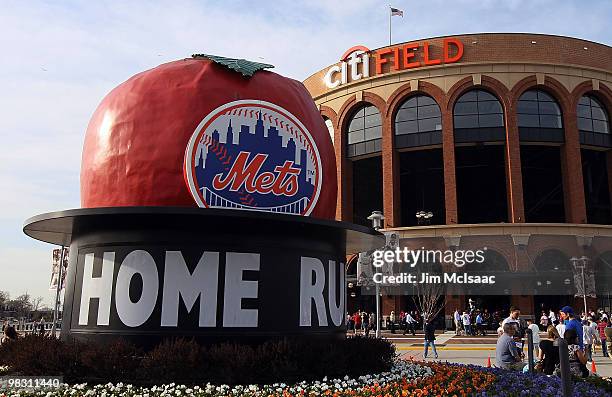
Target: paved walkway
x,y
470,350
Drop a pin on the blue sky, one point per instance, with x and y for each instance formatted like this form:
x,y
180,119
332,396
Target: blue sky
x,y
59,59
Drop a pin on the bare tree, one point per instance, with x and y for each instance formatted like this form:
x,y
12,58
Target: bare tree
x,y
37,303
22,305
5,297
428,296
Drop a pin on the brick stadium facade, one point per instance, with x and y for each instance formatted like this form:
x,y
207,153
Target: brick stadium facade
x,y
546,176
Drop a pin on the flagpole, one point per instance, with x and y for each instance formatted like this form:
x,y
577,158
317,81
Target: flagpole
x,y
390,24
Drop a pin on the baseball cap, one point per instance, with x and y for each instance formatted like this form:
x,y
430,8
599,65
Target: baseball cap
x,y
567,309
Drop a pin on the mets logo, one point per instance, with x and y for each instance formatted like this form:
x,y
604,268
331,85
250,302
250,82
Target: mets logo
x,y
253,155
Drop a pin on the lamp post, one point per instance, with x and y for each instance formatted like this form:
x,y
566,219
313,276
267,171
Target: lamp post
x,y
377,217
579,264
424,217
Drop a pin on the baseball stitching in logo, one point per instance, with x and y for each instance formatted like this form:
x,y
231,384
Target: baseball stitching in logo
x,y
253,155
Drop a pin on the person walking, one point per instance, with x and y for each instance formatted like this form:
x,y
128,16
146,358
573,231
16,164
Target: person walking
x,y
479,325
543,321
457,317
392,321
589,338
601,328
430,337
410,324
552,317
467,323
535,332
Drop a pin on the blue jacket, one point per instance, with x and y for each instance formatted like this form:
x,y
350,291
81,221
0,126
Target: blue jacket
x,y
577,326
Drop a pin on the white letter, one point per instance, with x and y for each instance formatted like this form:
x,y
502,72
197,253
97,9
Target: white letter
x,y
310,291
236,288
98,287
134,314
201,283
353,61
328,77
336,311
365,61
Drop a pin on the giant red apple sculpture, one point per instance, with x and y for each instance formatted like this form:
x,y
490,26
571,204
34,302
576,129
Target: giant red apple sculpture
x,y
210,132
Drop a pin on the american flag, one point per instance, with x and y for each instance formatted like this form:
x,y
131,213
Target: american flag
x,y
397,11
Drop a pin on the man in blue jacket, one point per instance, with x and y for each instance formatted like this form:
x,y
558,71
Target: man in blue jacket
x,y
570,321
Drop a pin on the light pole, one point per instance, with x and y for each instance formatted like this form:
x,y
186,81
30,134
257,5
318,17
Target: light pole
x,y
580,264
424,217
377,217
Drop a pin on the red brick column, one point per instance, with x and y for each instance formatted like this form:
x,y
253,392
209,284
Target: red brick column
x,y
514,177
448,158
390,175
571,170
344,201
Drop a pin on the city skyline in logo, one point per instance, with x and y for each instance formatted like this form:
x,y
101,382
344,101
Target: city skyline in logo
x,y
255,158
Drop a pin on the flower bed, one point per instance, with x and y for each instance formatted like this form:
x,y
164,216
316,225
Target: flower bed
x,y
402,373
510,383
406,379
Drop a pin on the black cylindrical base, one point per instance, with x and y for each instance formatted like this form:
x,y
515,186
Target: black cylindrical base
x,y
148,273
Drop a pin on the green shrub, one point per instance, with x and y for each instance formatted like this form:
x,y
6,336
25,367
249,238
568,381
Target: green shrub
x,y
185,361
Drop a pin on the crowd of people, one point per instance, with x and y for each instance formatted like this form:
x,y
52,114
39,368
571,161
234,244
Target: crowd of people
x,y
582,333
474,322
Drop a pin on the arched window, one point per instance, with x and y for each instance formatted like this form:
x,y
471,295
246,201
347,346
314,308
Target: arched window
x,y
418,114
364,131
592,116
418,122
330,128
537,109
478,109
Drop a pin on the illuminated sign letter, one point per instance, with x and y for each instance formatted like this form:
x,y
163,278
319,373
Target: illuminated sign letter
x,y
329,75
446,45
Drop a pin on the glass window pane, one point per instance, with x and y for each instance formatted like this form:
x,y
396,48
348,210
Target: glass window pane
x,y
410,103
355,137
470,121
406,127
371,110
468,96
585,124
584,101
583,111
528,120
530,95
549,108
527,107
601,126
466,108
485,96
428,111
489,107
598,113
406,114
544,97
491,120
433,124
424,100
356,124
373,133
360,112
549,121
372,120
